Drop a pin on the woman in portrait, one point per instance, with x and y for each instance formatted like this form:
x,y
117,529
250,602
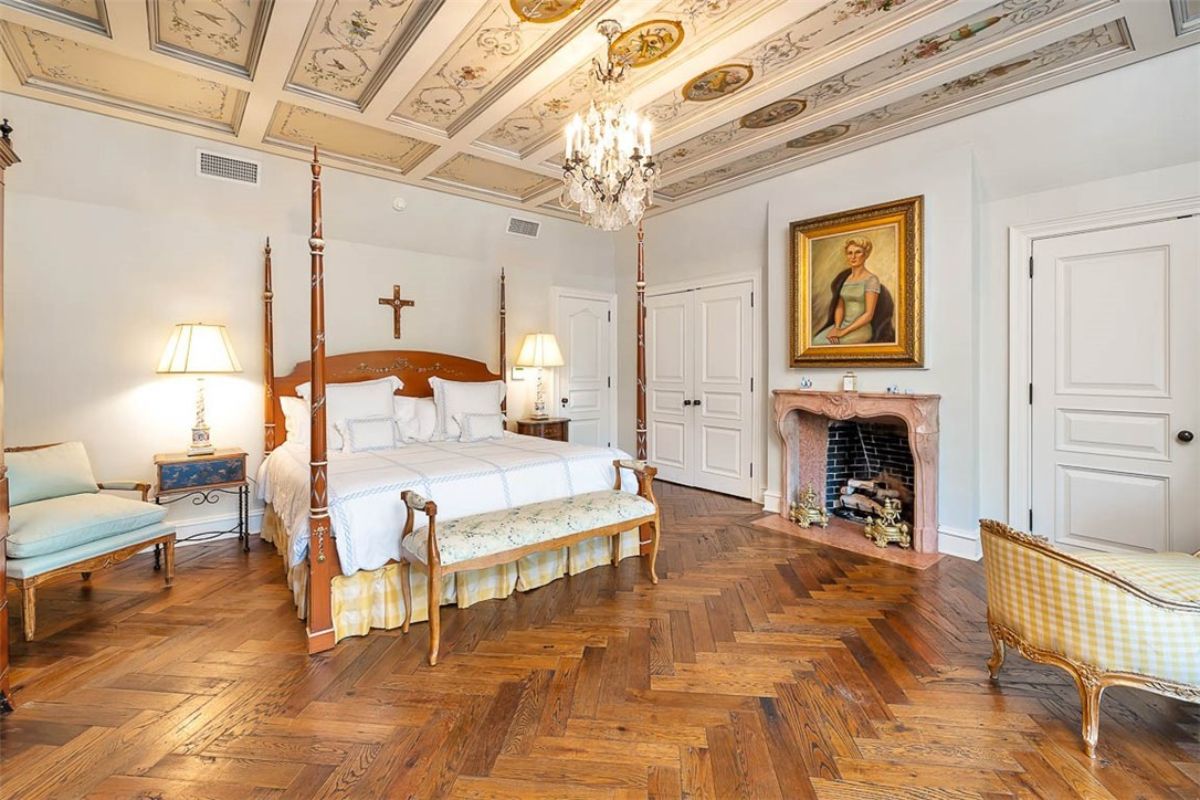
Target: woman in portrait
x,y
860,309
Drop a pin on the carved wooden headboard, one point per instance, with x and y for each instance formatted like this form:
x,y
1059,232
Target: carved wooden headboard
x,y
413,367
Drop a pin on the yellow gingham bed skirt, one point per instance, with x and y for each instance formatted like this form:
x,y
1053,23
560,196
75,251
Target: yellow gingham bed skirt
x,y
373,599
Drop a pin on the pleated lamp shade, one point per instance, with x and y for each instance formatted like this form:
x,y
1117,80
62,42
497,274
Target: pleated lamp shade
x,y
196,348
540,350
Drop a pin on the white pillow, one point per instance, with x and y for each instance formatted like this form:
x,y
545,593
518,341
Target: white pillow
x,y
421,427
296,420
453,398
478,427
56,471
358,400
371,433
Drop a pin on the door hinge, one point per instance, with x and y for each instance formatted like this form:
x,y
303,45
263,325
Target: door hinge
x,y
1031,520
610,316
752,299
610,382
752,384
751,469
1031,266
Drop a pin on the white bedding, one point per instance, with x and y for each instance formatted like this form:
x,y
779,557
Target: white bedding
x,y
463,478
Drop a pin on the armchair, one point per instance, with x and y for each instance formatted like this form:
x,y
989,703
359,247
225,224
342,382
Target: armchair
x,y
1106,619
61,522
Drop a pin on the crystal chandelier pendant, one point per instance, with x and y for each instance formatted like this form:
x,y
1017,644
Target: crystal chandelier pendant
x,y
608,168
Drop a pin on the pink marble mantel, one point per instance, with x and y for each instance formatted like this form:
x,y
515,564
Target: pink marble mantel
x,y
803,418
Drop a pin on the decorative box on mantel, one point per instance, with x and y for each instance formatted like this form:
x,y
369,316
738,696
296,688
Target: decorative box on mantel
x,y
803,416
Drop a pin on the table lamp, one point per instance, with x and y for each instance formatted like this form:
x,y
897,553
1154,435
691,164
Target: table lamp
x,y
199,349
540,350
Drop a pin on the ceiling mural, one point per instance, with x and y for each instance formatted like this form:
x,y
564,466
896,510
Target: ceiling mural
x,y
990,27
786,52
471,171
1101,42
700,22
90,15
472,96
352,45
496,42
44,60
299,126
224,34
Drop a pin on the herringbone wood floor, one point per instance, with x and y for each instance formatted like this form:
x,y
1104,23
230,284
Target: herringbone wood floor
x,y
761,666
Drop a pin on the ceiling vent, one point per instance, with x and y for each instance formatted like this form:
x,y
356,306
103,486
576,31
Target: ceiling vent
x,y
226,168
523,227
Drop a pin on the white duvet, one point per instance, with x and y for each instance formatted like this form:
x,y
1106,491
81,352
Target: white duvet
x,y
463,478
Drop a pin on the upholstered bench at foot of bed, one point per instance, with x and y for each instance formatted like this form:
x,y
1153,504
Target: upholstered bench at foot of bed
x,y
498,537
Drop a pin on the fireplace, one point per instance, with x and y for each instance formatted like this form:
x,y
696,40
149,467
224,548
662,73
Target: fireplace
x,y
867,462
804,418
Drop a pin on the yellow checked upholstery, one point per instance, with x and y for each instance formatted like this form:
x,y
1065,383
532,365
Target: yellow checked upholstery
x,y
1129,620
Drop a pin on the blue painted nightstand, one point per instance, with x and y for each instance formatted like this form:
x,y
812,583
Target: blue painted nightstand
x,y
204,479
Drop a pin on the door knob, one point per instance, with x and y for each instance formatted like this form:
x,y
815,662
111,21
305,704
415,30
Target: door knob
x,y
696,403
563,401
1185,436
687,402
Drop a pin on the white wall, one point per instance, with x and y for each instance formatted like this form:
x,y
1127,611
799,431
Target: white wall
x,y
112,239
1123,138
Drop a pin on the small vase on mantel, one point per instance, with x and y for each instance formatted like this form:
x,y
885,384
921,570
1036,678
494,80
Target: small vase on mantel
x,y
849,382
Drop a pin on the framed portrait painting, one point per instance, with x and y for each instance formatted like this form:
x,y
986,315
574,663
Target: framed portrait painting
x,y
856,288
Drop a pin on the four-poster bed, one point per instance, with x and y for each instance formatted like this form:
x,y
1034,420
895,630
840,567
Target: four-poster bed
x,y
337,516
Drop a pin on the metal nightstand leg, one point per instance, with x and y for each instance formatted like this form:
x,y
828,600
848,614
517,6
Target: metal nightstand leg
x,y
244,517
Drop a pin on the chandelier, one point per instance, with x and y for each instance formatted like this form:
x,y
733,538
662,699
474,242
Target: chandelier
x,y
608,171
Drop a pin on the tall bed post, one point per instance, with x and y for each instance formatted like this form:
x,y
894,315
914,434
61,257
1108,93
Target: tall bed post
x,y
320,617
641,344
503,342
268,355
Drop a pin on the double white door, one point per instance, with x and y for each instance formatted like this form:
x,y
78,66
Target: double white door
x,y
1116,388
584,331
699,366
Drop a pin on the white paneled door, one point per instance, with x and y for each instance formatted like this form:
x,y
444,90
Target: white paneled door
x,y
584,382
699,373
1116,388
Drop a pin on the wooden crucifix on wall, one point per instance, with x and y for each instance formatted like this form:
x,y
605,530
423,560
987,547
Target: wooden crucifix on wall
x,y
397,305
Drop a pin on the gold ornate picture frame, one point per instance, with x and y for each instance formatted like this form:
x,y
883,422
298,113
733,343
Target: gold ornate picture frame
x,y
856,289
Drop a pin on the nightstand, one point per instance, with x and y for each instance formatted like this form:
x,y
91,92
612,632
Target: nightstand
x,y
204,479
554,428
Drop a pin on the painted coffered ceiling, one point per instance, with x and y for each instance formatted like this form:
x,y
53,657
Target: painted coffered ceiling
x,y
471,96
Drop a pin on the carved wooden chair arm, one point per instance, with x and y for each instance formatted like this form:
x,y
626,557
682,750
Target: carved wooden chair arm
x,y
128,486
417,502
644,472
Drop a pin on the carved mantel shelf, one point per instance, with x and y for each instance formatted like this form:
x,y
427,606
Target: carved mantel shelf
x,y
802,417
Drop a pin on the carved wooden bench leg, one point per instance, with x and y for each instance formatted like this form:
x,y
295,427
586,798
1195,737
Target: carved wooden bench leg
x,y
169,559
616,549
435,613
406,593
28,610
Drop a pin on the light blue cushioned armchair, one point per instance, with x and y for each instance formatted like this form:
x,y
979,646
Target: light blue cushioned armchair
x,y
60,521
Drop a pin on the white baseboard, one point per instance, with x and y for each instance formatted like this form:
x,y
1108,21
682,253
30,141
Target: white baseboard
x,y
771,502
957,542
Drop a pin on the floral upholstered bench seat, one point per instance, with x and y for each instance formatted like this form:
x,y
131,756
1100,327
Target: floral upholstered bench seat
x,y
500,537
524,529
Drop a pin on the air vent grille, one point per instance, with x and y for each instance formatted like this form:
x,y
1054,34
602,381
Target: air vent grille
x,y
523,227
226,168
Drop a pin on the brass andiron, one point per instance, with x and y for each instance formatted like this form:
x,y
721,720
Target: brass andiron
x,y
808,511
888,527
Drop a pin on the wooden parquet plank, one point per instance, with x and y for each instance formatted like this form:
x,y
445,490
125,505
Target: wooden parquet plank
x,y
761,666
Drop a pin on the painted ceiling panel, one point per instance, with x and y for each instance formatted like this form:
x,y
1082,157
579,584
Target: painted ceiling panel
x,y
992,26
351,46
1101,42
503,37
298,126
51,62
224,34
473,172
90,15
700,23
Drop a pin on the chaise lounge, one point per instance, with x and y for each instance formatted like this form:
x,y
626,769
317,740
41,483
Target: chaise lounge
x,y
60,522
